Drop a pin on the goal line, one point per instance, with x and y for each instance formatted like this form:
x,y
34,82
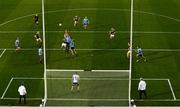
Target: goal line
x,y
73,70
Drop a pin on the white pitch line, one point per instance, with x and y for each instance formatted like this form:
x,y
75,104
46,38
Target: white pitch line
x,y
44,54
59,70
26,98
171,89
6,88
130,59
110,71
3,53
161,100
65,99
68,99
135,79
125,32
90,49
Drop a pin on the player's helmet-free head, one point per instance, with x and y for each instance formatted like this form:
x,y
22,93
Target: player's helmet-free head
x,y
141,78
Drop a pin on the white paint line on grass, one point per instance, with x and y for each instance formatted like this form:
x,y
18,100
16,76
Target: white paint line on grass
x,y
26,98
131,45
86,49
136,79
110,71
65,99
2,53
60,70
71,70
171,89
7,88
69,99
125,32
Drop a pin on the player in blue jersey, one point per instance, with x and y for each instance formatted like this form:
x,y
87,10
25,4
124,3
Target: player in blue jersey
x,y
140,55
17,45
67,39
72,47
85,22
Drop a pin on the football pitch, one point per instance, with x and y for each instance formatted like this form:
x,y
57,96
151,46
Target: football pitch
x,y
107,76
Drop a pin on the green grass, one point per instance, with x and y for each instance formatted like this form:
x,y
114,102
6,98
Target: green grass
x,y
156,26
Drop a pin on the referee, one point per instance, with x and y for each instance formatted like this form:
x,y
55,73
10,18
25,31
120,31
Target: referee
x,y
22,93
142,88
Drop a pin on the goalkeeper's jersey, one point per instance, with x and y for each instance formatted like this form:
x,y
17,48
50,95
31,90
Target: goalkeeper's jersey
x,y
75,78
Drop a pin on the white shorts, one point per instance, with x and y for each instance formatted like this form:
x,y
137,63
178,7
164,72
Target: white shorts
x,y
112,36
39,40
63,45
75,22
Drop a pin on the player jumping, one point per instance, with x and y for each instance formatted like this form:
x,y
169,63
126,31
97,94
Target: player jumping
x,y
67,40
140,55
63,44
17,45
112,33
85,22
38,38
76,20
75,81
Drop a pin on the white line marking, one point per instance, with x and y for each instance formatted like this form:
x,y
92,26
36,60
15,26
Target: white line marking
x,y
130,60
73,70
171,89
6,88
124,32
26,98
134,79
68,99
44,52
65,99
57,49
59,70
110,71
3,53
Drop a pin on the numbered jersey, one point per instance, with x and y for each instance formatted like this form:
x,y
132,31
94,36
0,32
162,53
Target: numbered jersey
x,y
75,78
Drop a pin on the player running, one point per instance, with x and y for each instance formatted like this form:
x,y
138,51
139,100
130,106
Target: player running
x,y
140,55
75,81
112,33
85,22
17,45
40,53
36,19
76,20
72,48
38,38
